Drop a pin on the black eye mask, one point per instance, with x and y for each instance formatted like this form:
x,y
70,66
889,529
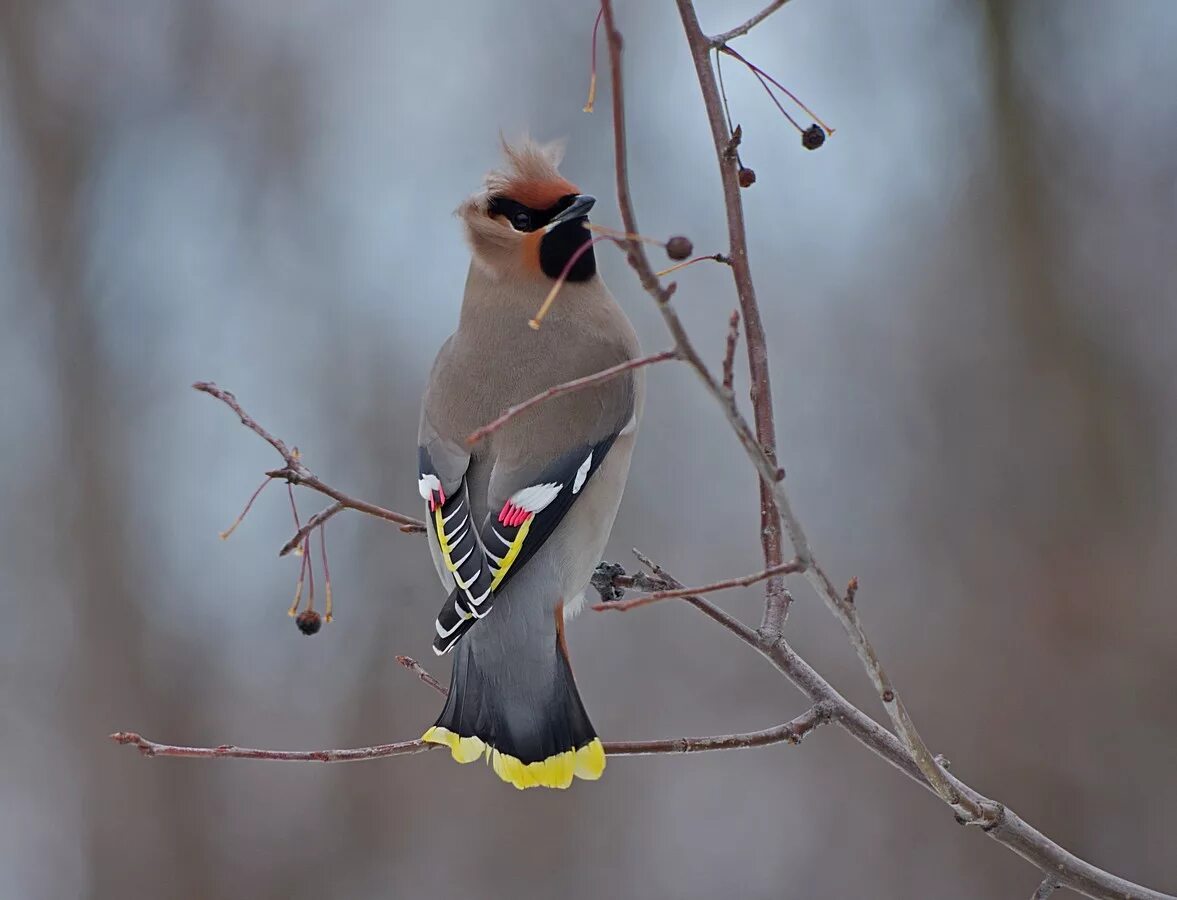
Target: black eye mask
x,y
524,218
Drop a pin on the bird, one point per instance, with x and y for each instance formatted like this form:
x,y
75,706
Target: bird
x,y
518,521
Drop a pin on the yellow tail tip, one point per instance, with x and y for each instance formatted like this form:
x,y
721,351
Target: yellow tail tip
x,y
590,760
557,771
462,749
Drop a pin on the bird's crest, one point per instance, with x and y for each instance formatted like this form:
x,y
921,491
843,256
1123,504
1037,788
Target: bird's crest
x,y
531,176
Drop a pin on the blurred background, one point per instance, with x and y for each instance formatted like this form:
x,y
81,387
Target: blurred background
x,y
970,293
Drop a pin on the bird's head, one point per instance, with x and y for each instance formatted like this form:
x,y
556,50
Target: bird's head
x,y
528,220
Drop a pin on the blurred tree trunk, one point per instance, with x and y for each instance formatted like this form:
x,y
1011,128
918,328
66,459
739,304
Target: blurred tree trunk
x,y
95,541
1106,452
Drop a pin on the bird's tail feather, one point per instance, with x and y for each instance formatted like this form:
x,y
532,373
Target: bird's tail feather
x,y
525,715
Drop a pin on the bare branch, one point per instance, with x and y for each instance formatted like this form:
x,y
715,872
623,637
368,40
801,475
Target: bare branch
x,y
720,39
774,499
761,75
294,472
230,401
228,751
312,523
419,670
777,599
792,732
578,384
742,581
729,356
705,606
761,447
1008,829
611,582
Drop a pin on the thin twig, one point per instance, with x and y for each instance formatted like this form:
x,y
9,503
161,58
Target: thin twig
x,y
720,39
729,356
295,472
535,322
245,512
568,387
230,401
760,76
419,670
755,69
592,91
742,581
328,602
312,523
716,257
705,606
792,732
229,751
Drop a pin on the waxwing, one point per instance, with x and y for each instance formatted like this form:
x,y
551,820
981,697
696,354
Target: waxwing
x,y
519,520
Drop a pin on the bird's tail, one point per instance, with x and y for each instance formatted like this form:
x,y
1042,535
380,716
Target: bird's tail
x,y
523,712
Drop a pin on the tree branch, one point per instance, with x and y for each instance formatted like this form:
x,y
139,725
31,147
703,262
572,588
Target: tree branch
x,y
312,523
419,670
228,751
777,598
720,39
729,355
792,732
761,446
741,581
578,384
294,472
1007,829
776,608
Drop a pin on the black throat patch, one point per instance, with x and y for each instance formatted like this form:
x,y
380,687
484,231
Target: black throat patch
x,y
558,246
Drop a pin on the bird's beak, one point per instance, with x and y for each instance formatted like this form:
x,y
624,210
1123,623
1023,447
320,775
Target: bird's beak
x,y
577,210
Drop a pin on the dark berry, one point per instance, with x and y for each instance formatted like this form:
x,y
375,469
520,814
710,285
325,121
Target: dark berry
x,y
813,137
309,622
679,247
747,177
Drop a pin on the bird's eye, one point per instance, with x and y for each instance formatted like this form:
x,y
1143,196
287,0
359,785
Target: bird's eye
x,y
521,221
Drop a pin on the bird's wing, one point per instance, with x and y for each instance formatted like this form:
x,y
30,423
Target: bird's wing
x,y
453,537
526,508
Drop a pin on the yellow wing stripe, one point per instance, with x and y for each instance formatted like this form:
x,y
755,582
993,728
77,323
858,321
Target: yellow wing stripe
x,y
512,553
439,526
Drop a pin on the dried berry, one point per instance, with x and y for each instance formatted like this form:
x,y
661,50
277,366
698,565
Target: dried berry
x,y
747,177
309,622
813,137
679,247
